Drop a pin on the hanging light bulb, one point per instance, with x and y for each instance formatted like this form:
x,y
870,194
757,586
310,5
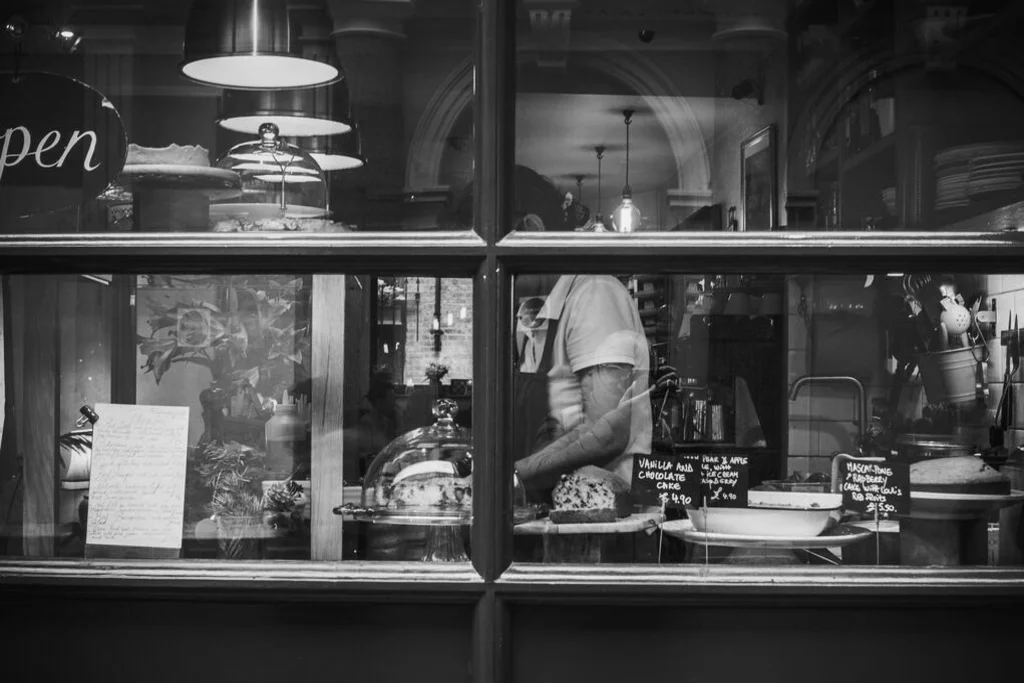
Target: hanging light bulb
x,y
626,217
599,218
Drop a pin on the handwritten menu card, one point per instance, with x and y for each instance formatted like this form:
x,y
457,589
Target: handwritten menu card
x,y
669,480
137,484
881,486
724,480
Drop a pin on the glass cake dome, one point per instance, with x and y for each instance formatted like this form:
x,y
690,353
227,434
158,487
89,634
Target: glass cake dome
x,y
279,180
426,476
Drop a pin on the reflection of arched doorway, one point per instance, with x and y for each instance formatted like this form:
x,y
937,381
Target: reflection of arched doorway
x,y
442,129
899,179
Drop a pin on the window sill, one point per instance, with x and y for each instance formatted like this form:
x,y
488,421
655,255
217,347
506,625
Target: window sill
x,y
460,582
278,578
634,583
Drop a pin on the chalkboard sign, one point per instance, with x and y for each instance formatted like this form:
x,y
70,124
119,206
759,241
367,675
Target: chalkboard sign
x,y
881,486
61,143
724,480
669,480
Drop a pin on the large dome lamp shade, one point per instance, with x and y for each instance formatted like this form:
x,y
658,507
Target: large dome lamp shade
x,y
247,45
300,112
338,152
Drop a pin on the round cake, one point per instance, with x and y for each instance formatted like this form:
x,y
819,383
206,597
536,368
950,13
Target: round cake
x,y
428,493
173,155
965,474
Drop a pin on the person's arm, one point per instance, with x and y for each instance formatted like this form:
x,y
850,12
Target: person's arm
x,y
600,438
604,345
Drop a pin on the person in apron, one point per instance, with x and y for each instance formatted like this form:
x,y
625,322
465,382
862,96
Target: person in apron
x,y
580,384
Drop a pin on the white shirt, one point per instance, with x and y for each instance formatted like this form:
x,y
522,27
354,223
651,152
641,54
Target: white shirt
x,y
598,324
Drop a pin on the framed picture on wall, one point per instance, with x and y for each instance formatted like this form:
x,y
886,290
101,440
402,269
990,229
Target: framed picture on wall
x,y
758,181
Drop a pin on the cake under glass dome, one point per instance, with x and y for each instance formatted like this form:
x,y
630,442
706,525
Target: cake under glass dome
x,y
279,181
426,476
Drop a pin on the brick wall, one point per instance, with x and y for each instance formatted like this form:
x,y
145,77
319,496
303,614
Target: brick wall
x,y
457,340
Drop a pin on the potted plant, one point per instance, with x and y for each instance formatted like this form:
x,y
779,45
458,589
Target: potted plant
x,y
230,477
435,373
283,503
251,334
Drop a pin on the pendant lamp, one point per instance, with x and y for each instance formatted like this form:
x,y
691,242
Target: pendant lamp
x,y
577,214
297,112
247,45
626,217
337,152
599,218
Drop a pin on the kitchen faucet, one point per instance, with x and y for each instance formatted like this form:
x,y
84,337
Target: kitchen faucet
x,y
861,399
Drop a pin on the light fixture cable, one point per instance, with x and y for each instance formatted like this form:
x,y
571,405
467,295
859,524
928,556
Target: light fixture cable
x,y
628,115
626,217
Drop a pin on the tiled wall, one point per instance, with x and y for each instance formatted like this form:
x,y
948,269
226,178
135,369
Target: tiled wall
x,y
1008,291
822,420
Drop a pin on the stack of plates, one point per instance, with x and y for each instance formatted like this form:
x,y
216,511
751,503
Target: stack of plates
x,y
951,188
951,174
889,198
966,171
996,172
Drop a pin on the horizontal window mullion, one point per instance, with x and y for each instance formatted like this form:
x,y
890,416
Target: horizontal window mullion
x,y
440,253
780,252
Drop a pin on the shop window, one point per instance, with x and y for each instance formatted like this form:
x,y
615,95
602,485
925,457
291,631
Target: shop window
x,y
237,417
746,116
373,108
832,420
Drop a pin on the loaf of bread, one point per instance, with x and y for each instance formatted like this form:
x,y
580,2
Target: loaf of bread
x,y
590,495
964,474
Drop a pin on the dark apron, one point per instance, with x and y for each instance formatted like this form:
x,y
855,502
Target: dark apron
x,y
533,427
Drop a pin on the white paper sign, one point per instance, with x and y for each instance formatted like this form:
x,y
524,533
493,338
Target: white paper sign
x,y
137,485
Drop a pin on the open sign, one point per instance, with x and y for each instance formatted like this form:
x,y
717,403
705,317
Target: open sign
x,y
62,144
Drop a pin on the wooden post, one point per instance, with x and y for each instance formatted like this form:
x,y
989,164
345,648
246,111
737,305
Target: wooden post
x,y
328,361
39,414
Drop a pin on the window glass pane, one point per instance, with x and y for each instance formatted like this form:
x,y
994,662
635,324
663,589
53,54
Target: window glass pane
x,y
737,115
237,417
764,419
372,103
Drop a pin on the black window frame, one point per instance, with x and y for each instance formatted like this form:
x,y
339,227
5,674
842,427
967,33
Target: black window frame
x,y
493,256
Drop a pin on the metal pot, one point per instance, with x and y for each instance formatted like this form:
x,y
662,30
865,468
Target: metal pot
x,y
911,448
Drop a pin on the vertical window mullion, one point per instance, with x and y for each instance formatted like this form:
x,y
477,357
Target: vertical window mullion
x,y
495,102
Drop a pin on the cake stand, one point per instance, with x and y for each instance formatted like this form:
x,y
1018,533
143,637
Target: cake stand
x,y
439,532
837,537
172,198
753,549
213,182
255,211
581,543
950,529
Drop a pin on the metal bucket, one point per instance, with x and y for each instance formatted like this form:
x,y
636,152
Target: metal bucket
x,y
951,376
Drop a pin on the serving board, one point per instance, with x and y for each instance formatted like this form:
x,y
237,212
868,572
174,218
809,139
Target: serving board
x,y
627,525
